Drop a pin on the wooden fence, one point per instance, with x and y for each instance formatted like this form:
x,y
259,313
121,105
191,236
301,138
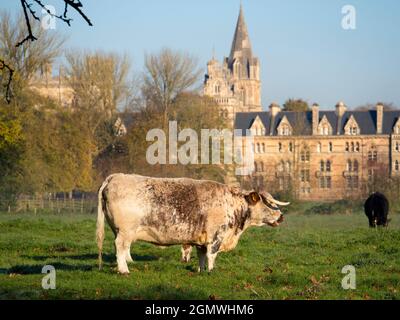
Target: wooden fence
x,y
56,206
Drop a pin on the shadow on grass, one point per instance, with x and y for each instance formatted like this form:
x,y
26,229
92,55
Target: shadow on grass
x,y
106,257
37,269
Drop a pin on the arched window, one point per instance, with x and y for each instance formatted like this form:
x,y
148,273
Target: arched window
x,y
217,88
330,147
357,147
397,147
280,147
263,148
347,147
396,165
255,167
291,147
258,150
322,166
352,147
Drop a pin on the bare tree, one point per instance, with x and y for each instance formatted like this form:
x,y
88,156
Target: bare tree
x,y
167,74
99,81
34,33
26,60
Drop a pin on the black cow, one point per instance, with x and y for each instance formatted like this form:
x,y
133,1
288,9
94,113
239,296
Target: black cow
x,y
377,208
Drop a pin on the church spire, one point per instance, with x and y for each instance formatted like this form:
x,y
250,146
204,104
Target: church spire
x,y
241,46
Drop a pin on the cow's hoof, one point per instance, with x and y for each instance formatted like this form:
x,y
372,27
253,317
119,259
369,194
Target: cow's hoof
x,y
123,273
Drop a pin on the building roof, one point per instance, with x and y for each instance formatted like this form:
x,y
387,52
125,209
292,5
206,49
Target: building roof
x,y
301,122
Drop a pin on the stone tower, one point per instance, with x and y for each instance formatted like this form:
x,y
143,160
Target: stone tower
x,y
235,85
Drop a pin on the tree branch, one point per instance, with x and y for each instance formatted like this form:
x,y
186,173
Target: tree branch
x,y
27,8
7,86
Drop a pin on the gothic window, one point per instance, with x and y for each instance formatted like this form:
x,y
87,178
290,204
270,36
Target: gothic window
x,y
355,166
357,147
263,148
217,88
280,147
347,147
349,182
290,147
329,182
322,183
305,175
288,167
330,147
328,166
349,166
352,147
258,150
322,166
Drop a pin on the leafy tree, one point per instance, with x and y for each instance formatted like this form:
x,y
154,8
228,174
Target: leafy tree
x,y
296,105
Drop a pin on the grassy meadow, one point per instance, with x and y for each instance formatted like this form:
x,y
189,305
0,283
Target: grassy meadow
x,y
302,259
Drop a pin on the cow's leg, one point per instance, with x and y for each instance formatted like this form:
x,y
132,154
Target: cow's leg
x,y
121,247
128,256
202,254
212,252
186,252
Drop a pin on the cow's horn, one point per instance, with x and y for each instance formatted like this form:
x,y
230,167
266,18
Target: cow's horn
x,y
283,204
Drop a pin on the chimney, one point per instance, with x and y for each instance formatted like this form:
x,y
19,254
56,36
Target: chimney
x,y
315,118
274,109
379,118
340,109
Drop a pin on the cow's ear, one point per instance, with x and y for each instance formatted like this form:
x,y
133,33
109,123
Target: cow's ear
x,y
253,198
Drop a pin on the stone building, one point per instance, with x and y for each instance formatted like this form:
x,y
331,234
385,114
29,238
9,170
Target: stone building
x,y
53,87
235,84
317,155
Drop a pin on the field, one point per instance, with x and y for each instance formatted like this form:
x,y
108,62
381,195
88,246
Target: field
x,y
302,259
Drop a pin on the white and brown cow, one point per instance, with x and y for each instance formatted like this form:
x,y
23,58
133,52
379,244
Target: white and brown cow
x,y
165,212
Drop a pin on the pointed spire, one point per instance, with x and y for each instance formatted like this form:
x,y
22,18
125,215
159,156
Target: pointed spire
x,y
241,46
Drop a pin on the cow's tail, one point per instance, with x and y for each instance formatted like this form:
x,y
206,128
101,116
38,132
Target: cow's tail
x,y
100,222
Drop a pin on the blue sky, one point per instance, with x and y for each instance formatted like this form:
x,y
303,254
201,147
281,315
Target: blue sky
x,y
303,49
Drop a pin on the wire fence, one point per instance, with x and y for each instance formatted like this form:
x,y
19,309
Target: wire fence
x,y
55,206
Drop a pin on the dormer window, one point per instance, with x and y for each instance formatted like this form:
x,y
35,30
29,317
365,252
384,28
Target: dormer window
x,y
258,129
324,127
284,131
352,128
284,128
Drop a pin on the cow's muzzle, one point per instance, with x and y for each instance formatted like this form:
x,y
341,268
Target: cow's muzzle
x,y
277,222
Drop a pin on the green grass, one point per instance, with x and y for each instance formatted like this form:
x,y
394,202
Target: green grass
x,y
302,259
